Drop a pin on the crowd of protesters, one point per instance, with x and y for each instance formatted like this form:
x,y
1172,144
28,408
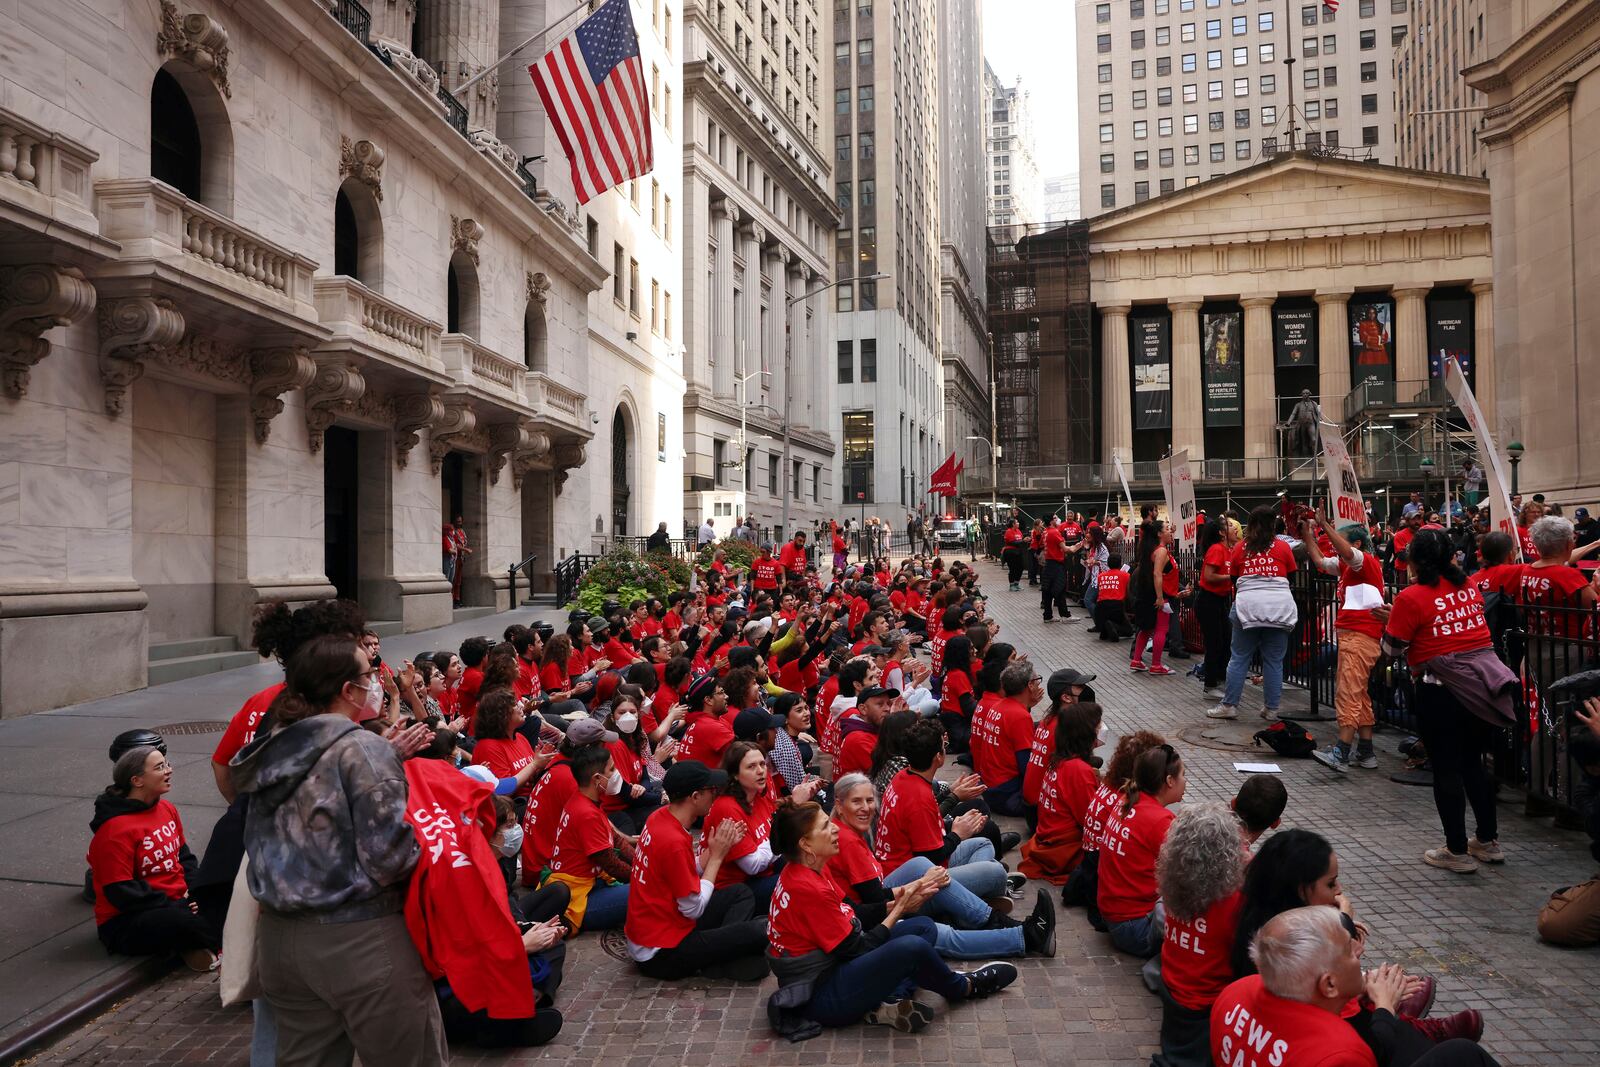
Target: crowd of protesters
x,y
745,778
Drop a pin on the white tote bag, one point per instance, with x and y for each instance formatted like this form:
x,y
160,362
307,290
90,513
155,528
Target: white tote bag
x,y
240,981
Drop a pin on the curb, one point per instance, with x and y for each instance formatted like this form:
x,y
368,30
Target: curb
x,y
49,1028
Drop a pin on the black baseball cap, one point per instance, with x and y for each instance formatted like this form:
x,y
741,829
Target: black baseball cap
x,y
695,696
751,723
875,691
687,776
1063,680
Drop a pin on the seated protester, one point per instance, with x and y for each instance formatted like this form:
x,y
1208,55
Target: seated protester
x,y
1310,969
660,718
955,798
450,665
1002,738
1056,847
910,823
529,647
873,631
767,731
797,663
957,700
541,906
1129,844
950,625
679,924
1259,806
1572,917
1110,605
502,747
830,971
974,931
856,675
1198,873
640,795
747,799
793,746
1065,688
549,799
590,856
620,647
1082,888
996,657
141,867
555,675
474,650
706,736
860,731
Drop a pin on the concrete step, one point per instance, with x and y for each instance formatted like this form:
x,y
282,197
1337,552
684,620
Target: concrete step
x,y
387,628
173,670
468,614
194,646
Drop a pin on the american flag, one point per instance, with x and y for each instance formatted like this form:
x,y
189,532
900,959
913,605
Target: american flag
x,y
1331,5
592,85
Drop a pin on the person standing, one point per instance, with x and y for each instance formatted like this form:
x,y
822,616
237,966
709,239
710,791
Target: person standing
x,y
1014,553
1471,480
707,533
1214,600
1359,632
1264,612
1053,591
458,540
658,541
1156,593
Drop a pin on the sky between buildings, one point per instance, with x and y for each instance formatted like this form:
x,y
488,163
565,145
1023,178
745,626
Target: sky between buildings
x,y
1036,39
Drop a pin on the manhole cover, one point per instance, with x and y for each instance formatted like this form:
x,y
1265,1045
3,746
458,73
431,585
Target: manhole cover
x,y
1220,737
615,944
175,728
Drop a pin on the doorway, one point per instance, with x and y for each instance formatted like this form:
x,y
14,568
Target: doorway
x,y
339,502
620,490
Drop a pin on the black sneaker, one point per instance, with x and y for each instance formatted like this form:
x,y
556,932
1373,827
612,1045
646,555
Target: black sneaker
x,y
989,979
1008,841
1039,928
1015,882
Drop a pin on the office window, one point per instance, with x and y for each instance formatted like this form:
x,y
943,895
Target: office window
x,y
1104,72
1213,90
1327,16
1163,66
1136,9
666,315
1265,52
1187,63
655,306
1186,32
841,148
1102,12
847,362
1214,59
1308,15
865,97
1368,8
1312,77
1369,40
1264,22
1191,124
1164,96
1163,6
1107,133
866,145
1241,87
655,205
1163,35
1241,55
1164,127
1240,25
1164,157
1136,39
666,218
1308,47
618,278
1333,138
1141,192
1102,42
1269,115
1215,120
1369,135
1219,152
1369,103
1269,84
1369,72
1241,118
1330,107
1397,7
1108,196
1330,44
844,298
1241,149
864,50
1105,102
869,191
592,231
1141,161
1313,109
1185,5
869,359
1191,154
1141,130
841,50
1330,76
1138,68
633,287
1166,185
1108,162
1213,29
858,455
1398,34
1191,93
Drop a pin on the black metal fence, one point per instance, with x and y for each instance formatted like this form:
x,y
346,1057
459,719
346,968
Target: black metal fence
x,y
569,572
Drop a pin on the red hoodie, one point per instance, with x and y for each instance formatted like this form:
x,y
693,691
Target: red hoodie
x,y
456,906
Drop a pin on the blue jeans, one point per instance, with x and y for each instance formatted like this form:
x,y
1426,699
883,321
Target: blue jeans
x,y
1091,593
1272,644
1006,799
608,906
909,959
263,1035
1141,937
954,903
972,863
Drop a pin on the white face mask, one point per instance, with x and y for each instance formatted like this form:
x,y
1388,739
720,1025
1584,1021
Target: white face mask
x,y
511,840
614,784
627,723
371,699
1100,735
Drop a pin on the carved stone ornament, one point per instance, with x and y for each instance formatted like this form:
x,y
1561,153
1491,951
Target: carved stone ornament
x,y
274,372
132,331
335,389
538,287
504,439
413,412
494,148
197,39
535,447
33,299
456,422
465,235
417,70
363,161
207,357
569,454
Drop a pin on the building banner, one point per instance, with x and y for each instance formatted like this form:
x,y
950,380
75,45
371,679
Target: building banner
x,y
1152,373
1372,349
1500,517
1449,336
1222,351
1345,506
1177,483
1294,337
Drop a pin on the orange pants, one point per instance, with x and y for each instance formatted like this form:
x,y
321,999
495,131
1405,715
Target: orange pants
x,y
1352,702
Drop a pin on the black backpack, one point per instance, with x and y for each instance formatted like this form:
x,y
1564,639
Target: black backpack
x,y
1288,739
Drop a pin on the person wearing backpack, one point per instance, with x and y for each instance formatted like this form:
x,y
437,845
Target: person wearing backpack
x,y
1358,633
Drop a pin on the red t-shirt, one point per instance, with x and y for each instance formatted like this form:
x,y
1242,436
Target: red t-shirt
x,y
143,845
956,685
242,727
1252,1028
1402,540
1525,540
1040,756
1094,820
545,805
1055,547
854,862
553,677
1437,619
1217,556
909,822
664,869
758,821
765,572
583,831
1360,621
527,683
706,738
504,758
618,653
808,913
631,766
936,648
1129,845
467,693
797,679
1559,587
1275,562
792,558
855,753
1502,578
1064,801
1195,955
999,732
1013,535
1112,585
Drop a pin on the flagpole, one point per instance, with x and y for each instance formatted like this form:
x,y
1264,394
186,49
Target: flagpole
x,y
583,5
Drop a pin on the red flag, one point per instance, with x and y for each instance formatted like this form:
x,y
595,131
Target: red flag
x,y
943,480
592,86
1331,5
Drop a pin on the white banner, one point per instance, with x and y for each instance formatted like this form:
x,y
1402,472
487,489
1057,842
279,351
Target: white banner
x,y
1500,517
1177,483
1116,461
1345,506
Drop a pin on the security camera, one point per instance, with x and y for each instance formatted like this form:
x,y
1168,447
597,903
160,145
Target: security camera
x,y
594,417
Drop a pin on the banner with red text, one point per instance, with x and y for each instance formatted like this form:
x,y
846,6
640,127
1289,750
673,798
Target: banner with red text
x,y
1177,483
1346,509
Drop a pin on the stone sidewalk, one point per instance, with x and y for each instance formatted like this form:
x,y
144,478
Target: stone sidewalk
x,y
1086,1006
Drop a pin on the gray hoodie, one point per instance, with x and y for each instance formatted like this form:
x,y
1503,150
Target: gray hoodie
x,y
326,830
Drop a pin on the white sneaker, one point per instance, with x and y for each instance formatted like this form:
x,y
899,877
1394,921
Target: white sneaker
x,y
1215,692
1223,711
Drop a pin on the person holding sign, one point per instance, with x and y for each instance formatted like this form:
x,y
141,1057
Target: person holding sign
x,y
1360,590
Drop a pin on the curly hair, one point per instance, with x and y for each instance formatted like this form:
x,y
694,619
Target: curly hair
x,y
494,714
278,632
1120,771
1202,861
500,667
737,685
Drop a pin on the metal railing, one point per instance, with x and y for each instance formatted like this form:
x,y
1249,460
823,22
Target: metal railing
x,y
569,572
355,18
526,567
455,112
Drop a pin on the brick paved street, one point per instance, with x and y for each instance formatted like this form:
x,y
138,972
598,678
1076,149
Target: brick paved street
x,y
1474,934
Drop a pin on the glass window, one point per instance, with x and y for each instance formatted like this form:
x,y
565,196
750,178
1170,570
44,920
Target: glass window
x,y
1108,196
864,49
1269,115
1141,161
864,94
1219,152
1241,55
859,456
1213,90
1107,134
1164,127
866,145
1368,8
1240,25
1330,107
1187,64
1105,72
1108,163
1191,154
1166,185
1308,15
1191,93
1397,7
1136,39
1185,5
1398,34
1369,72
1265,52
847,362
1308,47
1105,102
1264,22
1164,157
841,101
1102,12
1163,6
1141,192
1369,135
1213,29
1164,96
1313,109
1369,40
1332,137
1136,9
1102,42
1369,103
1241,118
1216,120
1186,32
1269,84
869,350
1163,35
841,147
1241,149
1141,130
1330,44
1140,99
1163,66
1312,77
1214,59
1138,68
1191,124
1330,75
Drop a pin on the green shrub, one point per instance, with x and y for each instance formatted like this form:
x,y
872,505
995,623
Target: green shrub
x,y
676,569
624,577
737,554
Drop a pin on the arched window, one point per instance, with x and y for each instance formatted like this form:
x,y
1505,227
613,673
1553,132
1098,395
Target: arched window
x,y
533,338
346,236
191,140
358,234
461,296
620,462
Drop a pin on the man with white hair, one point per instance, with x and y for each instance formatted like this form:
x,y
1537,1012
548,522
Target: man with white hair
x,y
1288,1015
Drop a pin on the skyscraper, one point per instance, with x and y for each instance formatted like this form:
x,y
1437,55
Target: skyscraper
x,y
1015,190
1437,115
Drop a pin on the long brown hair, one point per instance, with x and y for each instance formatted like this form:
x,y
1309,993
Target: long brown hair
x,y
1129,748
557,650
494,714
314,677
790,823
730,765
1260,529
1150,772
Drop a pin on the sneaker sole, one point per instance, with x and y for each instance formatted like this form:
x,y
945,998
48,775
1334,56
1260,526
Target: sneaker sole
x,y
1481,858
1454,866
1367,765
1332,762
1213,714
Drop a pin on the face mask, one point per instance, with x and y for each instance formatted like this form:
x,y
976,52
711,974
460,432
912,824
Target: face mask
x,y
371,700
627,723
1100,735
511,840
614,784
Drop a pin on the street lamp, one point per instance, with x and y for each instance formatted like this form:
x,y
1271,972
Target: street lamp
x,y
994,476
788,364
1427,472
1514,450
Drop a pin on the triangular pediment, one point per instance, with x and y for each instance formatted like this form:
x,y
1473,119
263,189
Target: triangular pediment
x,y
1299,193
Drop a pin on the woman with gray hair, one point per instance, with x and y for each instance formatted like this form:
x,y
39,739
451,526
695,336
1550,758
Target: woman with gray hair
x,y
1199,873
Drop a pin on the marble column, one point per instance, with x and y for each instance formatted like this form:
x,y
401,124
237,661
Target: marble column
x,y
751,238
1116,388
1260,403
1410,339
1188,418
461,37
1484,369
1333,350
391,21
722,351
777,315
803,369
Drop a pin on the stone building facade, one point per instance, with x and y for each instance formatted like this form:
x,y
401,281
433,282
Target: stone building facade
x,y
1437,115
271,311
1016,191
